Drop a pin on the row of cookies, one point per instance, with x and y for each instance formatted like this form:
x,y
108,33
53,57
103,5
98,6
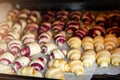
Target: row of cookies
x,y
76,66
18,45
21,41
60,23
64,15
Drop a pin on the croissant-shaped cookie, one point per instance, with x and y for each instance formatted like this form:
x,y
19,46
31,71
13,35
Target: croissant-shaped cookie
x,y
62,15
30,49
58,54
74,54
5,27
72,26
24,14
59,63
12,36
76,67
19,26
7,58
29,71
34,17
81,33
55,73
3,47
45,37
48,48
87,18
87,43
88,58
44,27
103,58
12,15
38,63
58,26
60,38
97,31
113,19
101,19
75,15
28,38
48,16
5,69
21,62
14,46
32,27
74,42
111,42
98,43
114,30
115,57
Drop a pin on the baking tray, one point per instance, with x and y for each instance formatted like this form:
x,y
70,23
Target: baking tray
x,y
18,77
89,5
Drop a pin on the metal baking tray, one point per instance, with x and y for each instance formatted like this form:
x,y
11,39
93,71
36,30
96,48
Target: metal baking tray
x,y
88,5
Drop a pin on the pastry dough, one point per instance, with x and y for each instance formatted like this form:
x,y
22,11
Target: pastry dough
x,y
58,54
19,26
44,27
38,63
97,30
87,43
88,58
82,32
34,17
60,38
111,42
59,63
48,48
45,37
87,18
72,26
101,19
62,15
30,49
12,36
24,13
3,47
76,67
29,71
31,27
14,46
74,54
113,19
12,15
48,16
55,73
103,58
74,42
115,57
113,30
5,69
27,38
98,43
7,58
75,15
20,62
5,26
58,26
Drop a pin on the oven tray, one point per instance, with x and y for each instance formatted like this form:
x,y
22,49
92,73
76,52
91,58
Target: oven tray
x,y
92,5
